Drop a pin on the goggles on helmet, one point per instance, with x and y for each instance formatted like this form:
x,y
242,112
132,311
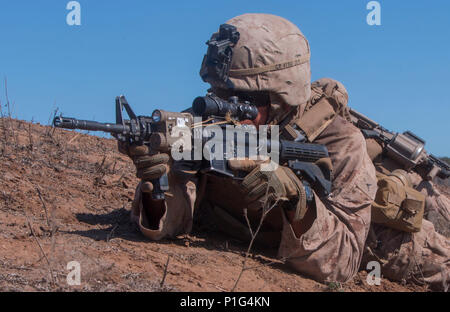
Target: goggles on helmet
x,y
217,61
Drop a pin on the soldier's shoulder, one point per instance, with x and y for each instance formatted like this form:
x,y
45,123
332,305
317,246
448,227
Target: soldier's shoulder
x,y
341,128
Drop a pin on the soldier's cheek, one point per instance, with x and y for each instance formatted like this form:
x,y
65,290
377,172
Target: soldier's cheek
x,y
261,119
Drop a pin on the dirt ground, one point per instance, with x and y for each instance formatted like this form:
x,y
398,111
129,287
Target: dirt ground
x,y
66,196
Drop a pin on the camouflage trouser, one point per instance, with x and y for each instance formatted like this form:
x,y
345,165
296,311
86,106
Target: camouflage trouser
x,y
421,258
437,208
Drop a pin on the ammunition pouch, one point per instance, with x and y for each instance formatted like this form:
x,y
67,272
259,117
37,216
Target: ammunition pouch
x,y
328,100
397,205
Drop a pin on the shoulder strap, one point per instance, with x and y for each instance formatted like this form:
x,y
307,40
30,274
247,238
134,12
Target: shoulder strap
x,y
315,120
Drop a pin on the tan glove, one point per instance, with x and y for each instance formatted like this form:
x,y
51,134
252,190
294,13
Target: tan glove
x,y
280,184
148,167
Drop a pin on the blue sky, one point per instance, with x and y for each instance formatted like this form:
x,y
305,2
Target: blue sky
x,y
151,51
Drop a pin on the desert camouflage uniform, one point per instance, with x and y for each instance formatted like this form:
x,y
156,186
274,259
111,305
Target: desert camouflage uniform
x,y
423,257
437,206
330,251
333,247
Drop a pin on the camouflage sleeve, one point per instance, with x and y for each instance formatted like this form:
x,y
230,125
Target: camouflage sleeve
x,y
331,250
436,202
179,209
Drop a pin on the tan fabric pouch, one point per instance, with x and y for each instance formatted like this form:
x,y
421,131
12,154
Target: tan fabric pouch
x,y
397,205
316,119
328,99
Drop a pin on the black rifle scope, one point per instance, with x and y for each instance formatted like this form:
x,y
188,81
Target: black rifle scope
x,y
212,105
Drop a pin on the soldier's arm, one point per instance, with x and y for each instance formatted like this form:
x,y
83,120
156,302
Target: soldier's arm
x,y
329,243
169,217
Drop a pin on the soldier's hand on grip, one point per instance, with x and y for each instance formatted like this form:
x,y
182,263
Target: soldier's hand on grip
x,y
280,184
148,167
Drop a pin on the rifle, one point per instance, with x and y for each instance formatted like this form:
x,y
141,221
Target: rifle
x,y
406,148
158,131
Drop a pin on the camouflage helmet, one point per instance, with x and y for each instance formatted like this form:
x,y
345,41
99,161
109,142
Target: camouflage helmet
x,y
268,53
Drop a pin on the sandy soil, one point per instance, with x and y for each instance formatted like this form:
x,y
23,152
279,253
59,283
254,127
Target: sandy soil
x,y
65,196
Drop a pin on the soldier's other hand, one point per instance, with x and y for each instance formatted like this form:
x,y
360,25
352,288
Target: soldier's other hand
x,y
280,184
148,166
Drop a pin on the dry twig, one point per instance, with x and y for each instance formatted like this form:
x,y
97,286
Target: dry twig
x,y
40,247
110,234
44,205
266,210
74,138
161,285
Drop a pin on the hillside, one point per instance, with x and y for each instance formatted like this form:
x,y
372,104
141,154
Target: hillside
x,y
446,159
65,196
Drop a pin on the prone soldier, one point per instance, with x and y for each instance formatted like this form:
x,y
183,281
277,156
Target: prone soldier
x,y
322,237
266,59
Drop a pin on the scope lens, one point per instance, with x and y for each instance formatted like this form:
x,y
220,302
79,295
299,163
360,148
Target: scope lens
x,y
156,116
199,106
57,121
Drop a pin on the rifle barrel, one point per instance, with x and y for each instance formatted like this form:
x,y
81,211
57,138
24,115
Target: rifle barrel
x,y
73,123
